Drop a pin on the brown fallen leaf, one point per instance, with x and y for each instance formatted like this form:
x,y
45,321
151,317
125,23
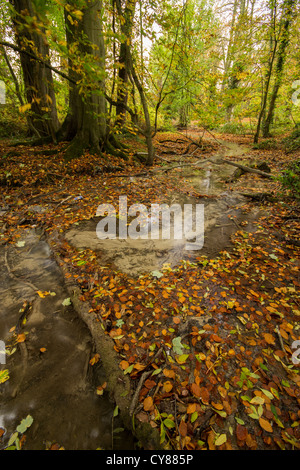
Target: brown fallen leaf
x,y
241,432
183,428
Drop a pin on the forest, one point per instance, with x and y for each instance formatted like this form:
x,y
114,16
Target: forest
x,y
115,114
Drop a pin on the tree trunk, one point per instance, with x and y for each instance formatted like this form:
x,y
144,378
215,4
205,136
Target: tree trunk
x,y
85,124
287,18
148,130
273,49
122,92
38,80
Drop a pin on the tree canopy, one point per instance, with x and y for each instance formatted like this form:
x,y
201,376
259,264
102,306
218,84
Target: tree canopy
x,y
97,68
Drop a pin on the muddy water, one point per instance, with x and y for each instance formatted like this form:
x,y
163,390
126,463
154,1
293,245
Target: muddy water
x,y
56,387
223,216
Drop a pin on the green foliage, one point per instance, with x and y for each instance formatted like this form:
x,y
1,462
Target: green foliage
x,y
268,144
290,179
231,128
292,142
11,123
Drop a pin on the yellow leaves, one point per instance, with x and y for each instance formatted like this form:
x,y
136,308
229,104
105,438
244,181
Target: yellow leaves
x,y
78,14
42,294
254,293
24,108
221,439
4,376
182,358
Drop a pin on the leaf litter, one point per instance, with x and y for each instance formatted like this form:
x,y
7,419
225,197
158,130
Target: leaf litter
x,y
215,335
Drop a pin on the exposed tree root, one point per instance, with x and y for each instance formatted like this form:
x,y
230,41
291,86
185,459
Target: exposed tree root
x,y
118,384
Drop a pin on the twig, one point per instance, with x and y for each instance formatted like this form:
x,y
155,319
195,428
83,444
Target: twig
x,y
137,392
281,342
142,379
176,422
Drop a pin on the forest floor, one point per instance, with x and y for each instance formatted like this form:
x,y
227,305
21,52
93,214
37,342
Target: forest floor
x,y
206,339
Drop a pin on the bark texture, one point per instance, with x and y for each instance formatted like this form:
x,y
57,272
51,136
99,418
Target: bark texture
x,y
38,80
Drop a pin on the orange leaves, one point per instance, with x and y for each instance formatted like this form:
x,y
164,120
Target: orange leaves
x,y
169,373
191,408
21,338
266,425
204,395
216,338
148,404
124,364
167,386
94,359
269,338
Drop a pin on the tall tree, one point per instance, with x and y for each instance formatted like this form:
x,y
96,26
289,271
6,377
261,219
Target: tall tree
x,y
85,125
286,19
38,81
273,43
123,75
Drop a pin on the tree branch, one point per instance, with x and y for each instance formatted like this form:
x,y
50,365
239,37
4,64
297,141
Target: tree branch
x,y
38,59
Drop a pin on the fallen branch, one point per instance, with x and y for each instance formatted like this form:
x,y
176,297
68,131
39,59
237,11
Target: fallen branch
x,y
244,168
259,196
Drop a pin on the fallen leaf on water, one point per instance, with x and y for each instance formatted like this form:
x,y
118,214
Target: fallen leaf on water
x,y
4,376
95,359
21,338
101,388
